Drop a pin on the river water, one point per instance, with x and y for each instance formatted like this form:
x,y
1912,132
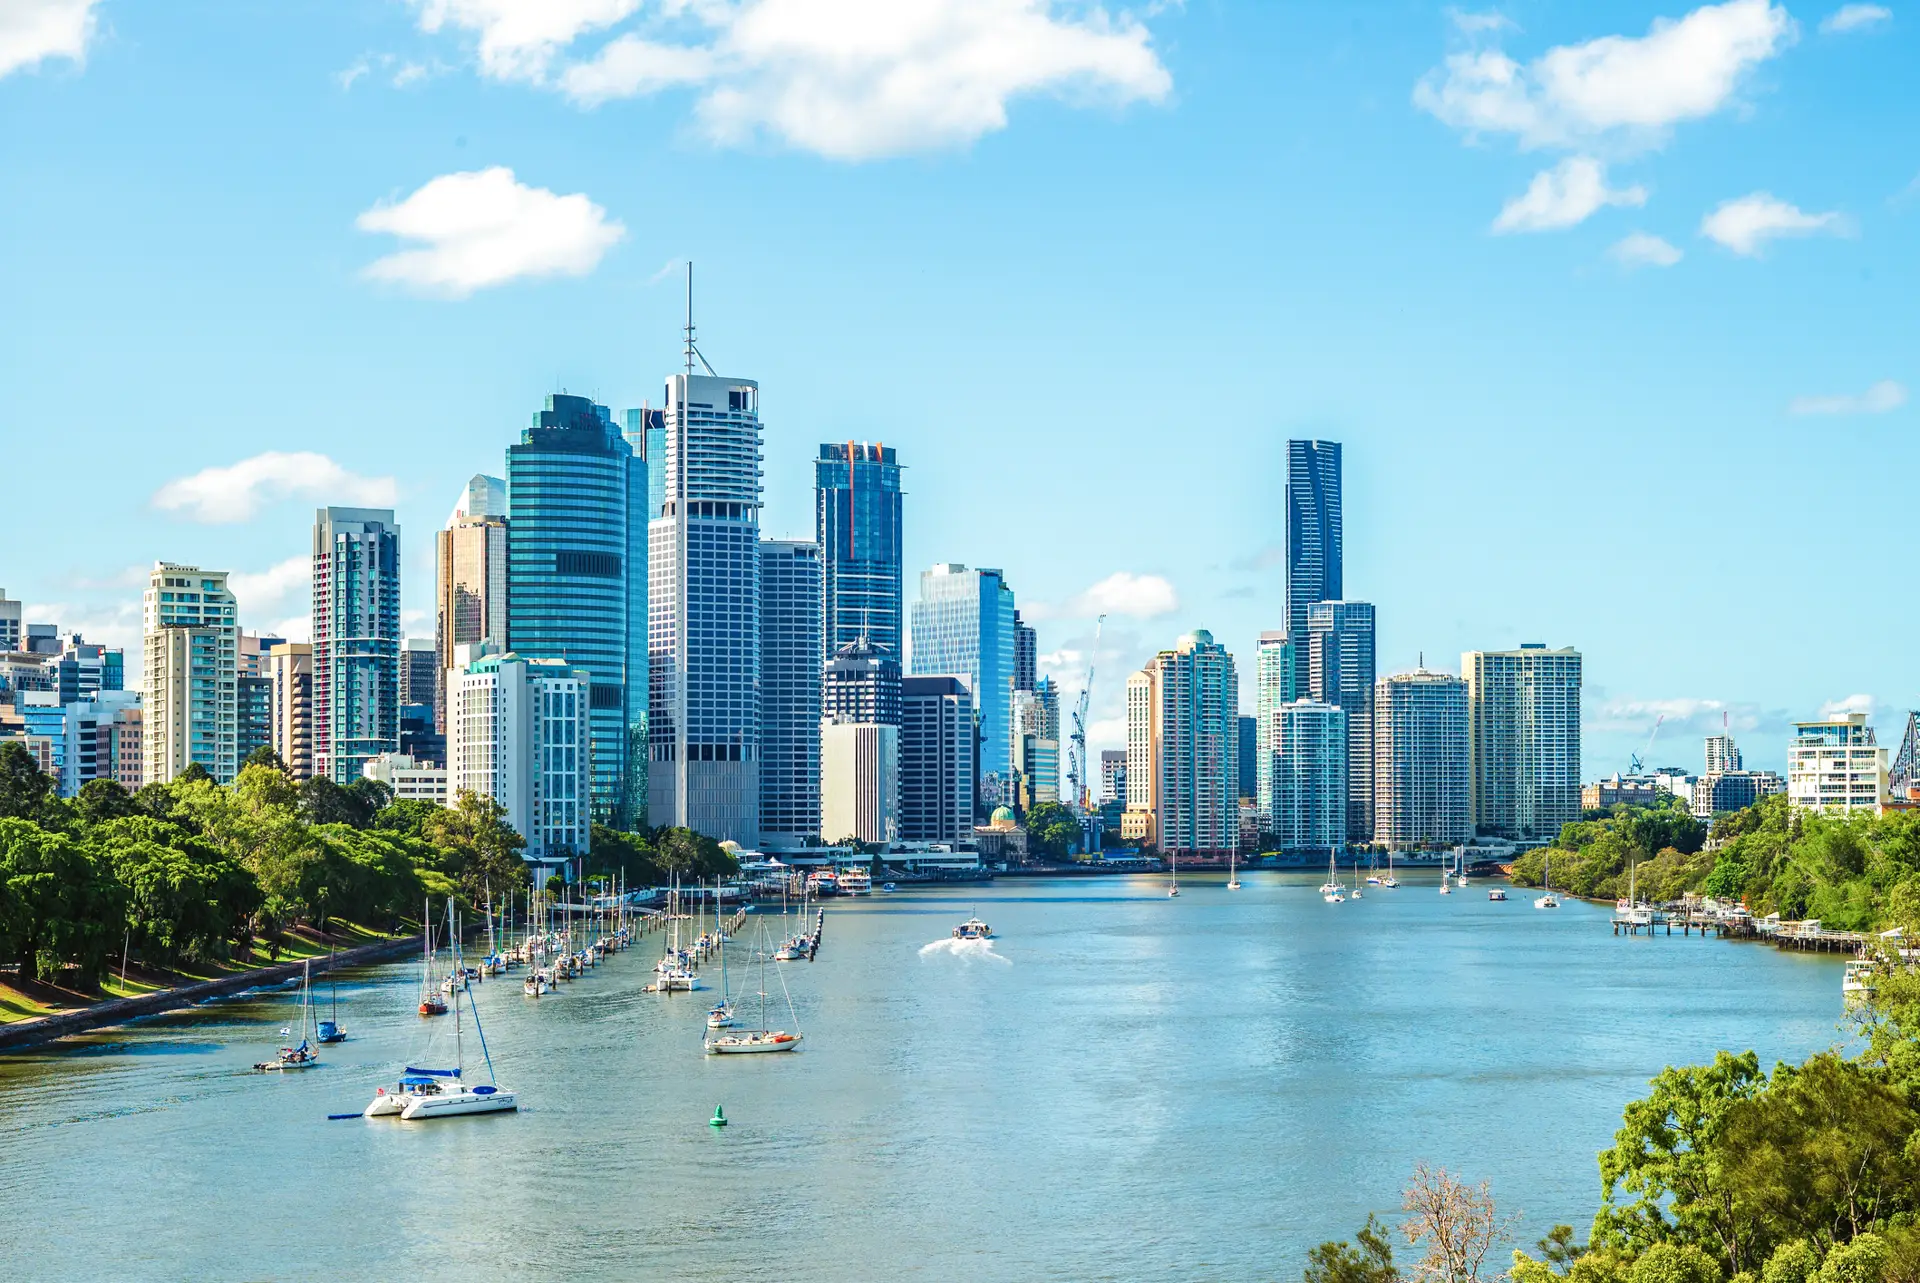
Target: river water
x,y
1124,1086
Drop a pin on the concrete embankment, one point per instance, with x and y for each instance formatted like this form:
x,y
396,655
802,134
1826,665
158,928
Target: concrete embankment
x,y
118,1011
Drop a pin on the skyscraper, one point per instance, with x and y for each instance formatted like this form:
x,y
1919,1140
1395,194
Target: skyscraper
x,y
1523,740
704,611
1113,775
1313,538
1249,755
519,731
254,691
1310,777
861,684
1026,654
646,432
936,759
1722,754
470,583
577,581
290,666
1420,760
191,710
356,639
859,781
963,625
1273,686
857,520
1183,750
789,691
419,668
10,630
1034,747
1339,668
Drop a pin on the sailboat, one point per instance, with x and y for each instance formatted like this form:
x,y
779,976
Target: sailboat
x,y
1332,892
1390,882
330,1030
1356,876
1460,866
762,1039
441,1093
720,1015
1549,900
1233,877
1173,879
1373,872
301,1055
431,1003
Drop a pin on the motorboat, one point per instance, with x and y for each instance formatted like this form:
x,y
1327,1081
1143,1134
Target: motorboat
x,y
888,887
1547,901
1496,893
973,929
1856,982
720,1016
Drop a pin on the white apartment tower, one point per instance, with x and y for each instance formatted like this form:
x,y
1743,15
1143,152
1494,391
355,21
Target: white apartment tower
x,y
1183,721
1273,686
1835,765
1420,760
192,709
1722,754
1310,776
520,732
1523,740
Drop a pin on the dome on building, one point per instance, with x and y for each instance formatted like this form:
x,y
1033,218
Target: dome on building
x,y
1002,817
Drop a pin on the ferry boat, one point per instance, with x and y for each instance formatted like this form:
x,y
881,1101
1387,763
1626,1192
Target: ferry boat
x,y
1496,893
856,882
822,884
973,929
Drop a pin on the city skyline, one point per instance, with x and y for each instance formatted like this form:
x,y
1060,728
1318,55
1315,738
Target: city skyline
x,y
1449,422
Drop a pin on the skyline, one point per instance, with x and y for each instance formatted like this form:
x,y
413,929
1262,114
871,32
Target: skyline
x,y
1010,308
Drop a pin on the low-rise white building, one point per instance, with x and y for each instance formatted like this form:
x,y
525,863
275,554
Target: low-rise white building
x,y
1834,765
518,732
410,781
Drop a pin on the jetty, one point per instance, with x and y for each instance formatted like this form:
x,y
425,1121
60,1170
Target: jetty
x,y
1706,917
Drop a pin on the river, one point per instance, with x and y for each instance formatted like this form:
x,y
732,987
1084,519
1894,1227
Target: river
x,y
1125,1086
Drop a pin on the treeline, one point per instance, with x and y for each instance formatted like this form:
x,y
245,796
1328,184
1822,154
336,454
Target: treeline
x,y
1727,1174
194,872
1847,870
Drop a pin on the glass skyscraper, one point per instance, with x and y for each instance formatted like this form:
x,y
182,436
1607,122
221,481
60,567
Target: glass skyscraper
x,y
963,625
356,639
1313,538
857,505
789,691
577,581
1340,665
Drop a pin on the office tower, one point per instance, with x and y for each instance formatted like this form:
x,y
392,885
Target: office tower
x,y
1310,777
963,625
1722,754
520,731
254,693
9,622
577,580
191,712
936,759
1339,668
1523,740
290,668
356,639
1836,765
1034,747
1420,760
419,662
1026,653
861,684
470,579
96,737
704,602
859,781
1113,775
790,700
646,432
1313,539
1273,686
1183,750
1249,755
857,521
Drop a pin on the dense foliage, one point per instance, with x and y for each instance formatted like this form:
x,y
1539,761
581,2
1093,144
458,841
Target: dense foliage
x,y
1052,830
1659,846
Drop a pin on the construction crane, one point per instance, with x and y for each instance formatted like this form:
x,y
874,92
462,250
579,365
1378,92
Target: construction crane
x,y
1639,759
1078,785
1906,763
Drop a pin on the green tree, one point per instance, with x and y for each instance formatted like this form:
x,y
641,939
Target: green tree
x,y
1368,1260
184,900
59,904
102,800
24,788
477,847
1052,830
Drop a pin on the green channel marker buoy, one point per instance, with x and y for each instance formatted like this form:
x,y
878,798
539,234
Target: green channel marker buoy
x,y
719,1118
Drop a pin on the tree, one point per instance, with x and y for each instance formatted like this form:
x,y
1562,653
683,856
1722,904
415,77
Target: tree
x,y
24,787
59,904
686,854
324,802
479,849
1454,1224
102,800
1052,830
265,756
185,900
1370,1262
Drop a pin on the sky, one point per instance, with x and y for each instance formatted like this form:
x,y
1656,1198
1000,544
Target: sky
x,y
1611,305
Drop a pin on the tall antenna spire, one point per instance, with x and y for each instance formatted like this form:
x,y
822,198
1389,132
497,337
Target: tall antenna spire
x,y
693,350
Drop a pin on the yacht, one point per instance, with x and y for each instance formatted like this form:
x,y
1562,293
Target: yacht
x,y
973,929
762,1040
1549,900
302,1054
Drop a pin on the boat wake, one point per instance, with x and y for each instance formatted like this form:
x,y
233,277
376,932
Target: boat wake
x,y
966,950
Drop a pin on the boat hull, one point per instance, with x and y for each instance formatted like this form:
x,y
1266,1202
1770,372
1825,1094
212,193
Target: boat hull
x,y
449,1104
752,1046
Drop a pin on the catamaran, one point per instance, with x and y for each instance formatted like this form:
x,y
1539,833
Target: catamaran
x,y
302,1054
763,1039
442,1093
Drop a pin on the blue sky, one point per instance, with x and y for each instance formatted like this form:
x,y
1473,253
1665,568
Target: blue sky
x,y
1610,304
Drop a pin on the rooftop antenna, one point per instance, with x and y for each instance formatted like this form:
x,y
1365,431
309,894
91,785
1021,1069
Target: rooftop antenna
x,y
692,350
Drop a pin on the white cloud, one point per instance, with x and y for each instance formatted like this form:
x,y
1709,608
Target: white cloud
x,y
1879,399
1746,223
237,492
1630,90
849,79
258,590
1644,249
1478,24
32,31
1855,17
1564,196
1122,593
1847,704
483,228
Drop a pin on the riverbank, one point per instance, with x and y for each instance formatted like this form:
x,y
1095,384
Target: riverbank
x,y
34,1030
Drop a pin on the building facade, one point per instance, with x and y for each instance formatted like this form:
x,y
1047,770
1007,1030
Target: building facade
x,y
1034,746
1113,775
520,731
192,708
356,639
1273,687
1836,765
1340,671
1026,653
857,524
790,700
1720,791
963,625
410,780
577,581
859,781
1183,726
470,579
1722,754
1314,539
704,612
1523,740
254,693
861,683
936,759
1310,777
1420,761
290,671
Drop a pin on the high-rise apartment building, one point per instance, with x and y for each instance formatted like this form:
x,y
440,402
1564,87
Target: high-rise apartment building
x,y
1719,791
356,639
1523,740
1310,777
191,711
1722,754
859,781
1836,765
936,759
1249,754
1420,760
963,625
519,731
419,667
1183,750
254,692
704,611
290,669
1340,670
470,579
1026,654
1113,775
1314,542
1034,745
1273,687
857,521
577,581
790,701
